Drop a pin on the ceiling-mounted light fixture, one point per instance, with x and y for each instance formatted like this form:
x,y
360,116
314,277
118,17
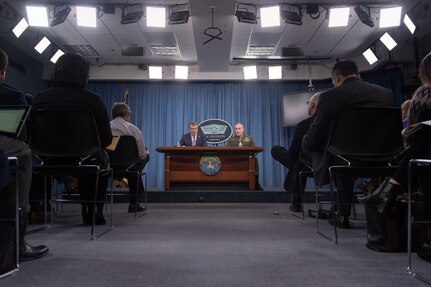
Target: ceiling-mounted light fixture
x,y
291,16
179,14
364,15
388,41
270,16
37,16
20,27
370,56
57,55
155,72
275,73
181,72
86,16
390,17
42,45
58,14
244,15
250,72
132,14
409,24
339,17
156,17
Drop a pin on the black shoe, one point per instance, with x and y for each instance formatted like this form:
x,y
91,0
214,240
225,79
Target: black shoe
x,y
383,197
135,207
28,252
100,219
341,221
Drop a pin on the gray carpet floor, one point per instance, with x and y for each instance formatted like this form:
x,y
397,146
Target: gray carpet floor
x,y
209,245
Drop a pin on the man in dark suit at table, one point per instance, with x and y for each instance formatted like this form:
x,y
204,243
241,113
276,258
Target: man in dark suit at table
x,y
349,91
193,138
290,157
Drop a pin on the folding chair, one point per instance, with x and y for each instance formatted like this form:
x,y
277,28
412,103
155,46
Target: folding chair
x,y
9,258
416,168
124,161
63,136
365,140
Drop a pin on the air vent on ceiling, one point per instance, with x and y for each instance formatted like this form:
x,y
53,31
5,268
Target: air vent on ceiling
x,y
84,50
292,52
137,51
158,50
261,51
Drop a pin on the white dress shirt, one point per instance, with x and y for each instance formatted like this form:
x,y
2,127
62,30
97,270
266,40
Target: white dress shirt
x,y
121,127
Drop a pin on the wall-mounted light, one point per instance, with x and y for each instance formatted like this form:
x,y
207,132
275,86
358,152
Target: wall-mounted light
x,y
20,27
155,72
364,15
270,16
390,17
178,14
132,14
181,72
86,16
42,45
370,56
57,55
244,15
58,14
275,73
37,16
250,72
339,17
388,41
409,24
156,16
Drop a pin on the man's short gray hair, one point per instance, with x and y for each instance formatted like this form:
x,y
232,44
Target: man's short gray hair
x,y
193,123
120,110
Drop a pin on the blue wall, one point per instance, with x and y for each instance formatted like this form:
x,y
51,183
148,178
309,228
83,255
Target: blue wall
x,y
163,109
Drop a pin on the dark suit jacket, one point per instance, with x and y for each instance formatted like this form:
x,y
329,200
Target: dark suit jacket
x,y
290,157
71,97
354,92
186,140
9,96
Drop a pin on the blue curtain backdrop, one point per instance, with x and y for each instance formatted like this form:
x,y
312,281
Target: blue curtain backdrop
x,y
162,111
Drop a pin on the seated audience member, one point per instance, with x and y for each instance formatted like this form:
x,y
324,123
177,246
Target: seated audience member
x,y
290,157
242,140
405,106
17,148
349,91
419,142
71,73
193,138
120,126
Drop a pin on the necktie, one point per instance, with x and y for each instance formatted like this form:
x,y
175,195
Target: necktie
x,y
194,141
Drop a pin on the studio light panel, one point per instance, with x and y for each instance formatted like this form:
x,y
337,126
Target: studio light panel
x,y
20,27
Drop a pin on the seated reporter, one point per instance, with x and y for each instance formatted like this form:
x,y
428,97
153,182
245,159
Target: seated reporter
x,y
120,126
71,74
419,146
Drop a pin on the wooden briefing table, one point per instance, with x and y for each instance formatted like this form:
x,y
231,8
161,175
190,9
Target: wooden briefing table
x,y
182,165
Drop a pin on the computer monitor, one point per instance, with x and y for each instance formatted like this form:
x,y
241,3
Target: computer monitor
x,y
12,119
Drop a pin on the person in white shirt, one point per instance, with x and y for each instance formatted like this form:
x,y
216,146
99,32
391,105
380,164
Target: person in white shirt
x,y
120,126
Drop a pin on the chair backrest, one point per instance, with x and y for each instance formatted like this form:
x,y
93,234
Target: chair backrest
x,y
63,132
125,153
367,135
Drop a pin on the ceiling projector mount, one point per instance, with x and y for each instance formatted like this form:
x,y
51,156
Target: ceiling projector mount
x,y
213,32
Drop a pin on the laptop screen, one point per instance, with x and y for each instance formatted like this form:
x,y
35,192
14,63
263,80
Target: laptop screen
x,y
12,119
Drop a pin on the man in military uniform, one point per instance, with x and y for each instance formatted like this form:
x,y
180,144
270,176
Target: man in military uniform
x,y
242,140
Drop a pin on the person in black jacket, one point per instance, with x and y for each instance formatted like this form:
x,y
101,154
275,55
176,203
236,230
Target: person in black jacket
x,y
70,78
193,138
18,148
349,91
290,157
